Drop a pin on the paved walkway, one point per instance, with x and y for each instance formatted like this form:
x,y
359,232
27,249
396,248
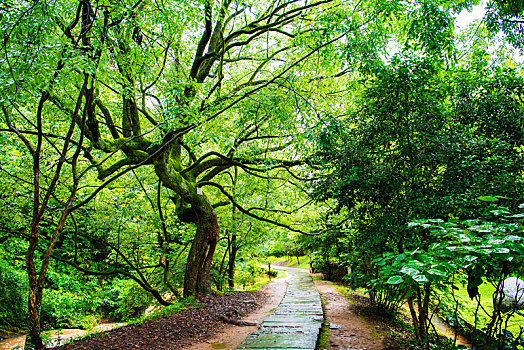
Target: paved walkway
x,y
295,323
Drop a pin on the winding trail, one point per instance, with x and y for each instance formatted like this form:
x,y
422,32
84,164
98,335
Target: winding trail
x,y
295,323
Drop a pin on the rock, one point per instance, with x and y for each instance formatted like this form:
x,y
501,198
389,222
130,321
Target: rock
x,y
512,293
336,326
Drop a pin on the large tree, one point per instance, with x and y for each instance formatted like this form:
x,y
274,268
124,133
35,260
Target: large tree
x,y
183,91
126,85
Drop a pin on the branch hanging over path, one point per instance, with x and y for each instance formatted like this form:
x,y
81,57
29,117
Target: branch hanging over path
x,y
254,216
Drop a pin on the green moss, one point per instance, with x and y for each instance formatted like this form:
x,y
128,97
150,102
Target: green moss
x,y
375,335
346,292
182,304
323,336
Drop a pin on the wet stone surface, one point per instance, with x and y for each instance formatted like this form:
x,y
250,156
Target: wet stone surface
x,y
295,323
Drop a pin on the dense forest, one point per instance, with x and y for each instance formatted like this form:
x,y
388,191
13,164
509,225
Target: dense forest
x,y
154,150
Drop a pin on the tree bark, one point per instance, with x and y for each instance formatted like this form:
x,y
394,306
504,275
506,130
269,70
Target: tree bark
x,y
231,263
414,318
198,268
34,303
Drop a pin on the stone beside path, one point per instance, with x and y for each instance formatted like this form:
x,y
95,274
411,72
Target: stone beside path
x,y
295,323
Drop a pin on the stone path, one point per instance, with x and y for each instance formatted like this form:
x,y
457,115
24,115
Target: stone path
x,y
295,323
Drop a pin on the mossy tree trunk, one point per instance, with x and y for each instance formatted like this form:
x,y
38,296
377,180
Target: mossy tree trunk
x,y
193,206
198,266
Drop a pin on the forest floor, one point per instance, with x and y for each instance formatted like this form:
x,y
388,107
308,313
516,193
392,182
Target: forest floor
x,y
350,324
179,331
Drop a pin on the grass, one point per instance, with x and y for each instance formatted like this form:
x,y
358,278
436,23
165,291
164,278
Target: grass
x,y
286,261
346,291
467,307
262,280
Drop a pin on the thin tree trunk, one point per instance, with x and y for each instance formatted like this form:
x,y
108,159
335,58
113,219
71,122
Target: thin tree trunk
x,y
233,246
424,313
231,263
34,301
414,317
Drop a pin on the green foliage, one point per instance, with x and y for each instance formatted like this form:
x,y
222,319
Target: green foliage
x,y
480,251
507,17
422,142
237,118
71,300
125,300
431,30
13,296
248,272
66,309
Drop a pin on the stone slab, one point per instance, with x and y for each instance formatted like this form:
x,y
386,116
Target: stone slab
x,y
288,330
294,318
281,340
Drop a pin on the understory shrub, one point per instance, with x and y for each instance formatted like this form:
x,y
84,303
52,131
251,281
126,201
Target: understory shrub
x,y
125,299
13,297
67,309
247,272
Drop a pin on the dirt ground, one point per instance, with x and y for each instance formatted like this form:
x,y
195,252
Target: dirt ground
x,y
348,328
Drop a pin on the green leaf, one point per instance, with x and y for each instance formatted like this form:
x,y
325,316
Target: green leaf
x,y
410,271
421,279
475,282
470,258
501,250
437,270
496,241
500,211
395,280
488,199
